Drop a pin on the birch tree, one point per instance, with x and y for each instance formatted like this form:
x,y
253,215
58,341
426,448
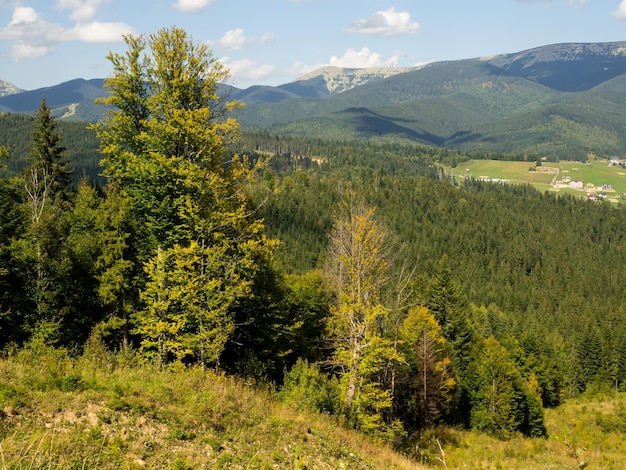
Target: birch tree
x,y
357,270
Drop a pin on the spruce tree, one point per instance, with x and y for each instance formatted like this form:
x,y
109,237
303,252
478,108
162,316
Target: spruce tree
x,y
47,186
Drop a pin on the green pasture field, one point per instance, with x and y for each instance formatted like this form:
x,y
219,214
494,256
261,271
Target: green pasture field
x,y
596,172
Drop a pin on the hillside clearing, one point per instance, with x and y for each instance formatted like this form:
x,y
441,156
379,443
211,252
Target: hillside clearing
x,y
550,176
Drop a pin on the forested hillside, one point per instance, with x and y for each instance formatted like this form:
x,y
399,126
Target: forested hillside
x,y
80,143
542,268
356,278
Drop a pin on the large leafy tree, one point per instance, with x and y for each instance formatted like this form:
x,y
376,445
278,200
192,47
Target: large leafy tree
x,y
163,144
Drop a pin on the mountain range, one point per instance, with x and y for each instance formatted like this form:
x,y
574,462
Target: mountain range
x,y
560,100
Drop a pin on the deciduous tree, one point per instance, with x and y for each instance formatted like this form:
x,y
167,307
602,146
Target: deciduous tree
x,y
196,229
357,270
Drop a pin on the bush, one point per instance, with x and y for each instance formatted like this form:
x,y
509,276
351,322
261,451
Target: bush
x,y
305,386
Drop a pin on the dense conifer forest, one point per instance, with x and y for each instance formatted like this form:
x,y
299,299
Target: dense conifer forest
x,y
356,278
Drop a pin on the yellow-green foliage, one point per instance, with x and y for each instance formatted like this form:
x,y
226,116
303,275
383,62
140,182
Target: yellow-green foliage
x,y
97,411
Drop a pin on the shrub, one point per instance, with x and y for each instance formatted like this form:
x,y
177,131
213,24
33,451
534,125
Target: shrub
x,y
307,387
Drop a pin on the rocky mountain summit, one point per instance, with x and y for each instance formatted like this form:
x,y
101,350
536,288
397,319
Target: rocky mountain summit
x,y
340,79
7,88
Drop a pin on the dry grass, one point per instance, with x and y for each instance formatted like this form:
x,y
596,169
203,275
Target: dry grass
x,y
60,413
580,431
100,412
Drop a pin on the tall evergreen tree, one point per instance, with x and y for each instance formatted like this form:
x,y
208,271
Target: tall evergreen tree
x,y
11,279
431,380
48,155
444,299
47,186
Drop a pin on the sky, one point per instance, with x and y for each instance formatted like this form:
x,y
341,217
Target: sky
x,y
271,42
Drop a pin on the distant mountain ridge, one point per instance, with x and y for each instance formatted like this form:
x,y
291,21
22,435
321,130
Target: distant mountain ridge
x,y
560,100
73,99
566,67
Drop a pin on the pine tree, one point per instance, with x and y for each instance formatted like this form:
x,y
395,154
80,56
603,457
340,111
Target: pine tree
x,y
496,398
48,155
432,377
444,299
116,265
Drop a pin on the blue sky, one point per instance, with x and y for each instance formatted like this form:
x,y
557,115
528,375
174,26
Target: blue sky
x,y
46,42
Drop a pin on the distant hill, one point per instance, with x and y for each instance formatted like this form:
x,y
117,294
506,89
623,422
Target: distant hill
x,y
567,67
73,100
560,100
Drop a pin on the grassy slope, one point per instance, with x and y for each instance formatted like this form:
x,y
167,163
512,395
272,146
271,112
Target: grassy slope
x,y
95,412
591,431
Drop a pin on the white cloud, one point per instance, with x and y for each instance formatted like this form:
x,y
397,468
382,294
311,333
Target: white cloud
x,y
386,23
24,15
97,32
191,6
82,10
236,39
33,37
246,69
28,28
26,51
363,59
620,13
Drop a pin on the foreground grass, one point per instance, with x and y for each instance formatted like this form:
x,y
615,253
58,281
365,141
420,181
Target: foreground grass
x,y
103,411
97,412
583,433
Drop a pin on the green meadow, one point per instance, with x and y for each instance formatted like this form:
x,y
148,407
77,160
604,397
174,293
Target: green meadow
x,y
596,172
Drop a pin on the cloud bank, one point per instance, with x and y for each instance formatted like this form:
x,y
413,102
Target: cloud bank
x,y
363,59
191,6
236,39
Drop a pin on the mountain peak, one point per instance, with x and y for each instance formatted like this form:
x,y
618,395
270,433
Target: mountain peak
x,y
7,88
340,79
